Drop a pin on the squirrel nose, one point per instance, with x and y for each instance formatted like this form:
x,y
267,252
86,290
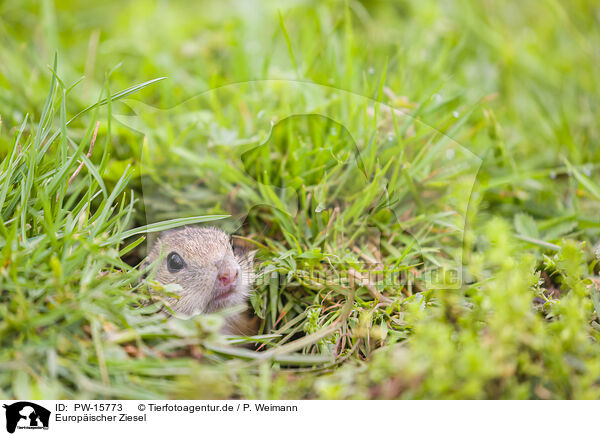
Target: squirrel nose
x,y
228,274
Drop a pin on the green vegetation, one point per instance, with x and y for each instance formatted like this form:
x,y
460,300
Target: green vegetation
x,y
420,140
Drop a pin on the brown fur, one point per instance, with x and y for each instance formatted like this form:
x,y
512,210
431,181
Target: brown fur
x,y
204,250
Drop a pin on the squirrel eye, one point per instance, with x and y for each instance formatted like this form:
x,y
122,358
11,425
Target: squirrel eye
x,y
174,262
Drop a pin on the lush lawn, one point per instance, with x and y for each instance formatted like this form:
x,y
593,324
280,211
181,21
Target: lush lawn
x,y
421,180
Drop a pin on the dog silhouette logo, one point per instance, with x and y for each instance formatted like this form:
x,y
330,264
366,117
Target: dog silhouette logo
x,y
26,415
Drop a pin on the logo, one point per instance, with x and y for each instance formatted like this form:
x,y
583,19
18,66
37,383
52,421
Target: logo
x,y
26,415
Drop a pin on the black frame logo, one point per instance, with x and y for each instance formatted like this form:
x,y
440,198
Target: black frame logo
x,y
26,415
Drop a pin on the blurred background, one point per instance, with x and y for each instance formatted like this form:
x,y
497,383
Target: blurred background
x,y
525,71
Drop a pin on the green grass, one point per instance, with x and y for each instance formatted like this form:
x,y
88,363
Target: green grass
x,y
420,140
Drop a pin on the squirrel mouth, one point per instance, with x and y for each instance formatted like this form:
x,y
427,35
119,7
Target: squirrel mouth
x,y
224,293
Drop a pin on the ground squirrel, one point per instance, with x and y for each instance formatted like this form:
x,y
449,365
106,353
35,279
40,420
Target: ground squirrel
x,y
212,277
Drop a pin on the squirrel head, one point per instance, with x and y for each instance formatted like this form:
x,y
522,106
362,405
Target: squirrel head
x,y
202,262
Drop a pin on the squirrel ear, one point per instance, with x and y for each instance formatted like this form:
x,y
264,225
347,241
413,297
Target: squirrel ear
x,y
243,249
241,245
